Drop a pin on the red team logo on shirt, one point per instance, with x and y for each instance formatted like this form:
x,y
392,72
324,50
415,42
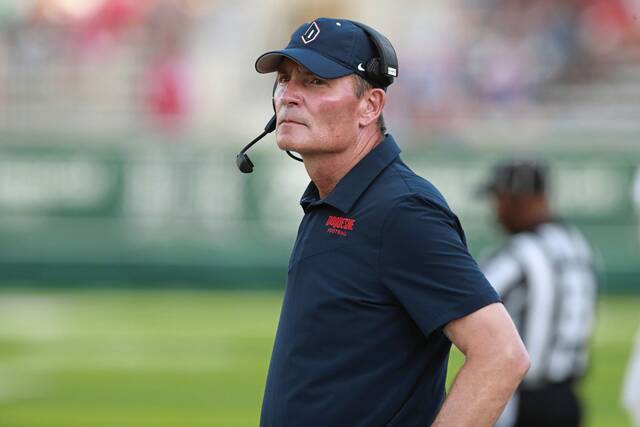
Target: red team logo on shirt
x,y
339,225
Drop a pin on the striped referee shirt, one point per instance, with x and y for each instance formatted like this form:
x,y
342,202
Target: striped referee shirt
x,y
547,281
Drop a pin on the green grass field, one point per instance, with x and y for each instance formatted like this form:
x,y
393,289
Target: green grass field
x,y
163,358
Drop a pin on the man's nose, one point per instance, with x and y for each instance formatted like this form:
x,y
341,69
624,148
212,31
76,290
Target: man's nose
x,y
289,93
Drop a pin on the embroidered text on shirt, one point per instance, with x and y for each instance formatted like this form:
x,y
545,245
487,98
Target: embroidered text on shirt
x,y
339,225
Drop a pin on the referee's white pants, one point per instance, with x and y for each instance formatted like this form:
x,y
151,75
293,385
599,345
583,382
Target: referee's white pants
x,y
509,413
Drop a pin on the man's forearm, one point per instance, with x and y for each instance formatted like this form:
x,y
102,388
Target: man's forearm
x,y
481,390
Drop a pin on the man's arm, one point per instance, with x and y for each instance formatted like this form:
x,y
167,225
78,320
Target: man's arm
x,y
495,363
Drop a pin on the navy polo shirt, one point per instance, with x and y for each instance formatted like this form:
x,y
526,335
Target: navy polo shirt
x,y
378,268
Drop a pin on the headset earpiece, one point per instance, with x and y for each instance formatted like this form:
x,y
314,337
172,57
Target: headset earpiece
x,y
383,69
372,71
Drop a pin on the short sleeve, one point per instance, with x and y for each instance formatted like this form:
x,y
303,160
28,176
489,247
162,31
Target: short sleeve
x,y
426,265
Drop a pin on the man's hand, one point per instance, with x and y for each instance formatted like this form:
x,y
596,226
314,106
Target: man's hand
x,y
495,363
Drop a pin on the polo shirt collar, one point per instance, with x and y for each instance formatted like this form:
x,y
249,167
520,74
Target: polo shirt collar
x,y
356,181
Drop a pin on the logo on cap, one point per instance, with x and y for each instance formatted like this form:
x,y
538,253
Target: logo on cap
x,y
311,33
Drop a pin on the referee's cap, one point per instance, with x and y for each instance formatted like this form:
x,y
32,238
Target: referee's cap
x,y
328,47
516,177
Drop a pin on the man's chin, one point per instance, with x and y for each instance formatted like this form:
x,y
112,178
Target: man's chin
x,y
287,144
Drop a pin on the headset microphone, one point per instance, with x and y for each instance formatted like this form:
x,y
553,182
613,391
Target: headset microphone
x,y
242,160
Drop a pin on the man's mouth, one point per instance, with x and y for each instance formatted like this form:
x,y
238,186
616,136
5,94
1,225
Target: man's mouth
x,y
291,122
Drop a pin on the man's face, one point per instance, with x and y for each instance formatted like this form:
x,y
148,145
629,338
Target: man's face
x,y
315,115
506,211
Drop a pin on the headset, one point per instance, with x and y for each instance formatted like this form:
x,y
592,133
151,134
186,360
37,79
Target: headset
x,y
242,160
383,69
380,71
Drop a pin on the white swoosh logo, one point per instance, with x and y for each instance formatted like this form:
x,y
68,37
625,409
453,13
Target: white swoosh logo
x,y
360,67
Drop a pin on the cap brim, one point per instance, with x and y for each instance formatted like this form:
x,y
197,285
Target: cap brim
x,y
318,64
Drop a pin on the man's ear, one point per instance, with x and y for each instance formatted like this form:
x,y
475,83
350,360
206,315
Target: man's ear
x,y
371,105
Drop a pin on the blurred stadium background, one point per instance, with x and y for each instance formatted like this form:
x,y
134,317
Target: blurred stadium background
x,y
141,274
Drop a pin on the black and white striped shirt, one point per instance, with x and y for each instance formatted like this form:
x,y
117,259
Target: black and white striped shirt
x,y
547,280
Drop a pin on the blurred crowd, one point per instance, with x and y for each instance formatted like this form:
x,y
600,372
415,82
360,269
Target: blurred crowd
x,y
131,57
503,55
53,50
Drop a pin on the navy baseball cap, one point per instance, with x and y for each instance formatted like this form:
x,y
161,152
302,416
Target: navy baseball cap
x,y
328,47
516,177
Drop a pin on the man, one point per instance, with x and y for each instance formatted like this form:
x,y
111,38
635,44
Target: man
x,y
546,277
380,281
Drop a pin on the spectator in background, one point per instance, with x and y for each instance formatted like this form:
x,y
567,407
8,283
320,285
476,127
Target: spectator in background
x,y
107,26
545,275
165,81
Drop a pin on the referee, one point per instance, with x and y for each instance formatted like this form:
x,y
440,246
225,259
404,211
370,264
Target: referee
x,y
546,278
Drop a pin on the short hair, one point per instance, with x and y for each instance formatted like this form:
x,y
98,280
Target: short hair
x,y
361,86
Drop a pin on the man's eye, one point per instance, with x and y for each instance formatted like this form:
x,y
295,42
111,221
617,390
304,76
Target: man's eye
x,y
317,82
283,79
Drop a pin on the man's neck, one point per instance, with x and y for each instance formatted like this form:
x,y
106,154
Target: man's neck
x,y
326,170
